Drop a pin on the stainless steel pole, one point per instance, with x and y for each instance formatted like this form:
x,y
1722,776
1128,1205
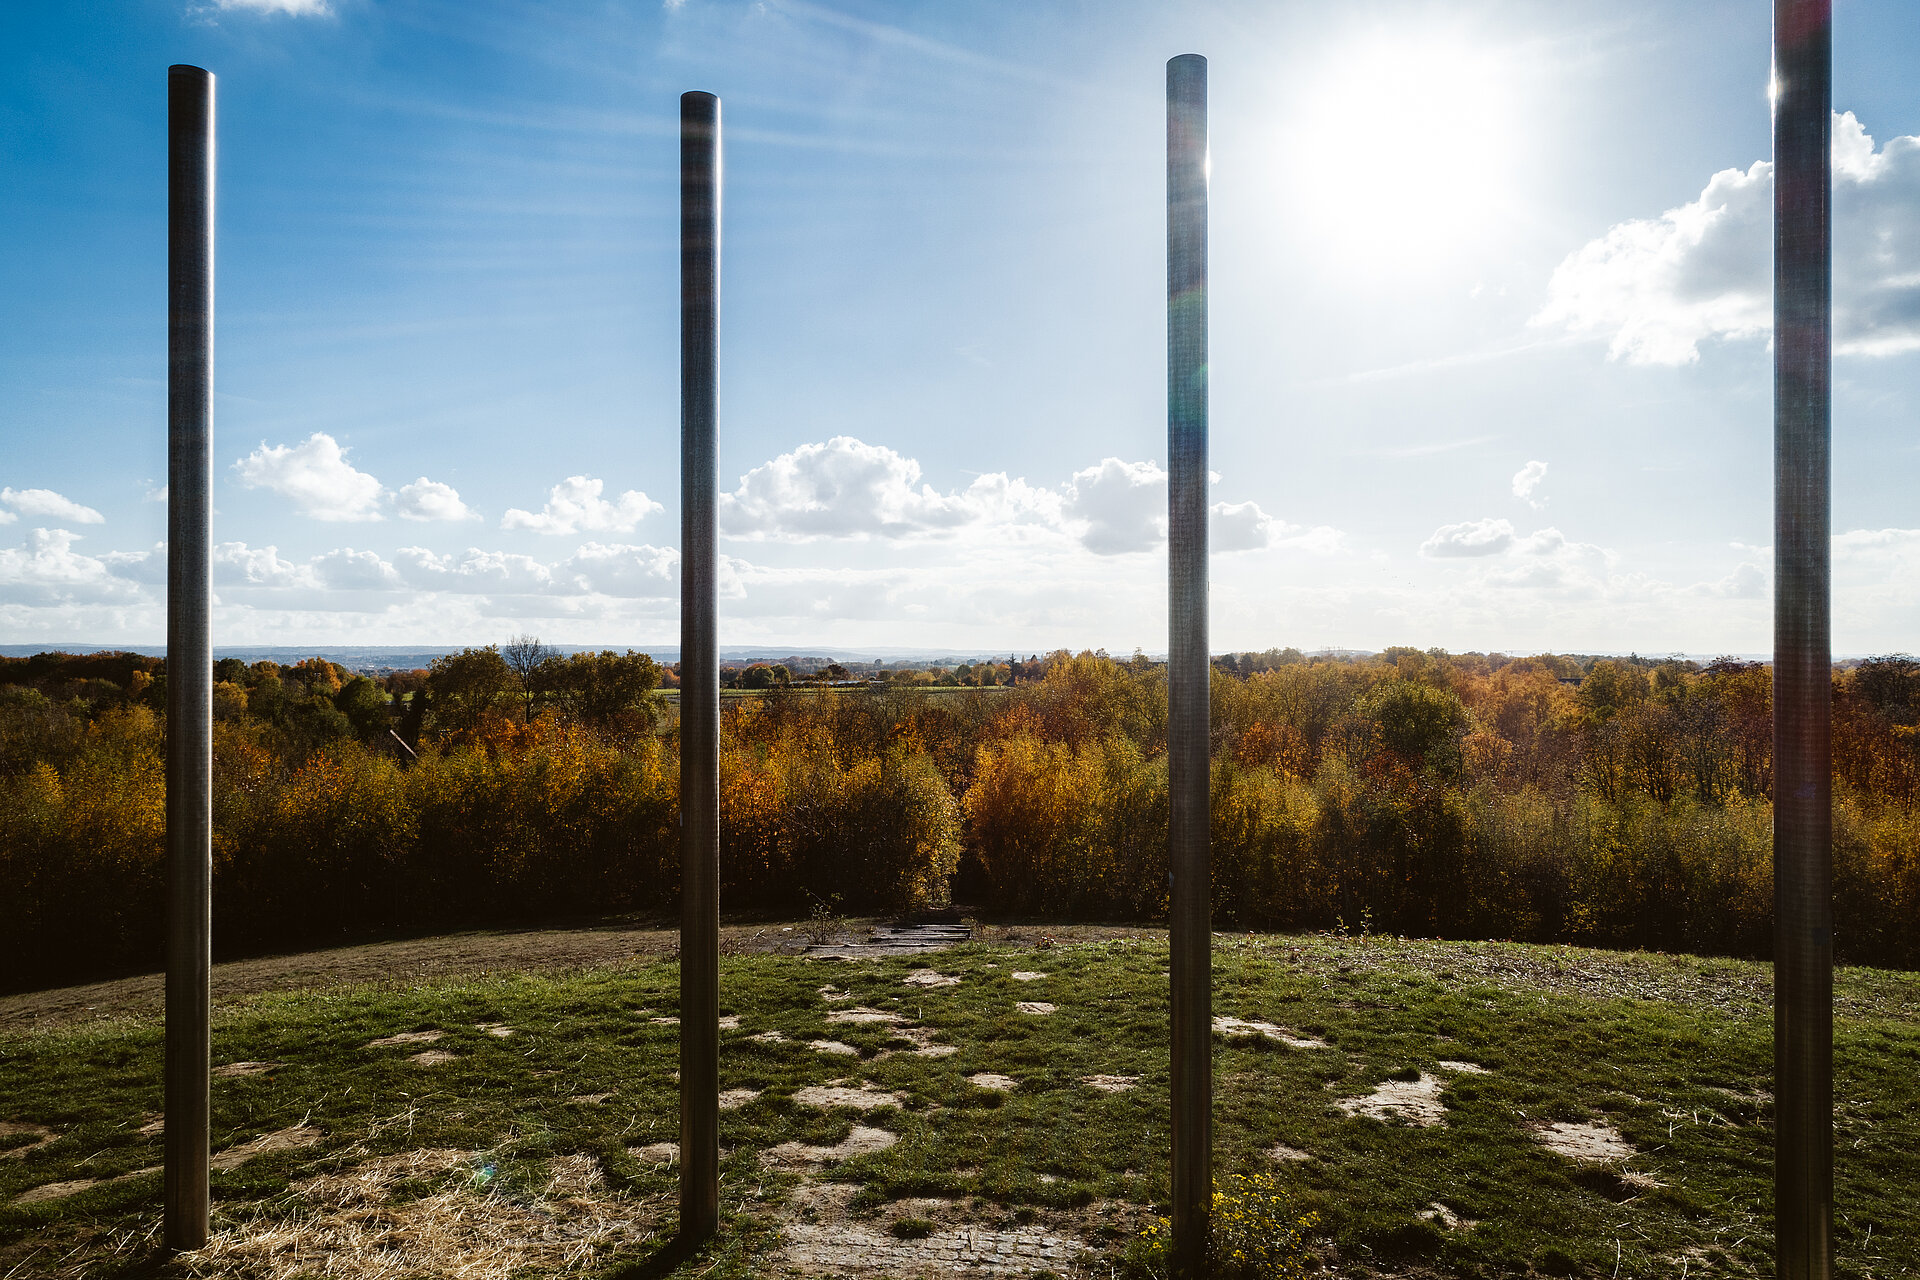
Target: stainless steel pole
x,y
1802,641
699,669
190,173
1187,662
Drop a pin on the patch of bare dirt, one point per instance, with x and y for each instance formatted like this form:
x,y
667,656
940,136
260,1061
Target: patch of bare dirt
x,y
1039,1008
1413,1102
1026,975
1280,1151
247,1068
826,1096
1464,1068
1595,1143
1243,1028
860,1142
432,1058
292,1139
930,978
406,1037
656,1153
864,1016
40,1134
833,1046
1110,1084
734,1099
922,1040
994,1081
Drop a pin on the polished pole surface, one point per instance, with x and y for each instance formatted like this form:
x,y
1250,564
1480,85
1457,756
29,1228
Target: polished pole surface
x,y
1187,662
1802,642
699,669
190,172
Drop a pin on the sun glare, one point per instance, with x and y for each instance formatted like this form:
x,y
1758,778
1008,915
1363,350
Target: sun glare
x,y
1402,151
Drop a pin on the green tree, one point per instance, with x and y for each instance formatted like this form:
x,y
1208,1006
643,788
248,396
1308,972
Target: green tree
x,y
467,687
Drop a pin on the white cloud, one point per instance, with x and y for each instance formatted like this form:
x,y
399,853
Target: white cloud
x,y
1122,505
1526,480
48,504
575,505
1469,538
843,488
1657,287
426,499
48,571
316,476
292,8
235,564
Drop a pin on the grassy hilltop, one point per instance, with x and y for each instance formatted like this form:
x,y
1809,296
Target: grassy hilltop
x,y
1407,1093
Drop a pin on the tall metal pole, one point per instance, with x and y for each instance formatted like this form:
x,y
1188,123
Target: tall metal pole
x,y
190,172
1802,642
1187,662
699,669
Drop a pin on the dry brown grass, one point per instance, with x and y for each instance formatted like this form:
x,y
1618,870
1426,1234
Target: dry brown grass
x,y
350,1224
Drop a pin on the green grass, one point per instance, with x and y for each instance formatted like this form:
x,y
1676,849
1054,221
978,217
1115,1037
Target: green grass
x,y
1672,1052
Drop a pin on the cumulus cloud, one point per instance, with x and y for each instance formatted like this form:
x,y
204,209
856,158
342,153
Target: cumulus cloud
x,y
47,504
1469,538
1526,480
575,505
842,488
426,499
1123,506
315,476
1657,287
48,571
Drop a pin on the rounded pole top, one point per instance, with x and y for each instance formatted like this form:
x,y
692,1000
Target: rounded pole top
x,y
699,97
187,71
1187,64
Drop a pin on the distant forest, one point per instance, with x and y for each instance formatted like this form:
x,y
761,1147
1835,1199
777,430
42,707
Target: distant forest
x,y
1617,802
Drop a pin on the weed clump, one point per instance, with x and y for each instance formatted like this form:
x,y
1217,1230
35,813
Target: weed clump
x,y
1259,1232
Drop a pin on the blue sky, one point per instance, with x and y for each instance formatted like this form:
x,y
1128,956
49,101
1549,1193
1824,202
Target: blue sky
x,y
1490,363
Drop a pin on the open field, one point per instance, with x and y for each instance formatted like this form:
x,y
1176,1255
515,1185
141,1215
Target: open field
x,y
1446,1108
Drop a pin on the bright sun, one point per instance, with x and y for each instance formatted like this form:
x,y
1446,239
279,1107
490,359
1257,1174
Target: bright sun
x,y
1401,151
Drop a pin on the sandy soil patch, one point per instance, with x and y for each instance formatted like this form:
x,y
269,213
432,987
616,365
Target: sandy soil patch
x,y
1038,1007
40,1134
664,1022
1241,1028
826,1096
832,1046
863,1016
500,1029
347,1228
922,1040
734,1099
930,978
432,1058
832,993
293,1139
1110,1084
1446,1219
729,1022
768,1037
55,1191
155,1126
1414,1102
993,1080
860,1142
249,1068
590,1099
1595,1143
1465,1068
656,1153
1280,1151
1026,975
406,1037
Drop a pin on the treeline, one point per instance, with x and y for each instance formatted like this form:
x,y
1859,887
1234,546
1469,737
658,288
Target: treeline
x,y
1610,802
